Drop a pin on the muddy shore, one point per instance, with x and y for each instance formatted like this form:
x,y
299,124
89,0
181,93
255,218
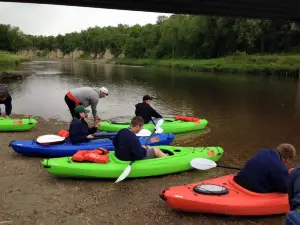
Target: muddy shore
x,y
28,195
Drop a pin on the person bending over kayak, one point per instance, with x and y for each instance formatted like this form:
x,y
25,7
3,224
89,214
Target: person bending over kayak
x,y
79,130
146,111
128,146
5,99
293,216
85,96
266,171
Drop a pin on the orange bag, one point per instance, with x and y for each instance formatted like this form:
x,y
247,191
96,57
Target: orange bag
x,y
98,156
187,118
63,133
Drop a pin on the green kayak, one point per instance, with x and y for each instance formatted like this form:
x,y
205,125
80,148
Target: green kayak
x,y
178,161
170,125
12,124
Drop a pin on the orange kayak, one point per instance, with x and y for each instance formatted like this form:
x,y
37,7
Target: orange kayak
x,y
223,196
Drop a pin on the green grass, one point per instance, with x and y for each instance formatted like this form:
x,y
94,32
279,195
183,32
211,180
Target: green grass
x,y
256,64
10,58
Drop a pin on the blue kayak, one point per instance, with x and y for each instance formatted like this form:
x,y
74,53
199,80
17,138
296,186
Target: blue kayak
x,y
32,148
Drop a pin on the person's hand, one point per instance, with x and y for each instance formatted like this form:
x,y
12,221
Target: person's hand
x,y
90,136
97,119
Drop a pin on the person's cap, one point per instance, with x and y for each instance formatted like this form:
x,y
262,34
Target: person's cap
x,y
104,90
81,109
147,97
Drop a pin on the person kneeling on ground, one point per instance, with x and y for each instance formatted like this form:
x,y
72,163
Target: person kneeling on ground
x,y
293,216
5,99
79,129
146,111
128,146
266,171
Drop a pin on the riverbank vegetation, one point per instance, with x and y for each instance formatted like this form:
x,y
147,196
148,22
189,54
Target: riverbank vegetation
x,y
207,43
10,59
287,65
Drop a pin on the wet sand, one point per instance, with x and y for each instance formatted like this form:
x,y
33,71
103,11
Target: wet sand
x,y
28,195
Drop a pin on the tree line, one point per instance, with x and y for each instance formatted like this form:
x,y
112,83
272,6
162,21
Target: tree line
x,y
177,36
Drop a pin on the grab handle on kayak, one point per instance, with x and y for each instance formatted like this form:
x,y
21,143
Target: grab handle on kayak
x,y
10,143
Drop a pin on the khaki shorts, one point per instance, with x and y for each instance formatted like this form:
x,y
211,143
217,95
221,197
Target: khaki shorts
x,y
150,153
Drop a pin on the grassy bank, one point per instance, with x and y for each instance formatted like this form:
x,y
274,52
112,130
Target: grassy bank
x,y
7,58
256,64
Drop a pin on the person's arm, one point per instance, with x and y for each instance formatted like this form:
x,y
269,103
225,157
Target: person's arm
x,y
137,149
94,103
8,105
92,130
76,135
155,114
281,179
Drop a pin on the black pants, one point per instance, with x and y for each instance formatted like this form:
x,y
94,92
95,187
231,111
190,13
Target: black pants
x,y
71,104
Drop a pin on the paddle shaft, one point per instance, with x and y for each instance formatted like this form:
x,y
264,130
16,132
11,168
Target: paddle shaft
x,y
229,167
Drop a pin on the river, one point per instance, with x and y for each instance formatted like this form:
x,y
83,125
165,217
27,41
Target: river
x,y
245,112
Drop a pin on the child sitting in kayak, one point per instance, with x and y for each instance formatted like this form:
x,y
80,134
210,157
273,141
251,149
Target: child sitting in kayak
x,y
266,172
79,129
293,216
129,148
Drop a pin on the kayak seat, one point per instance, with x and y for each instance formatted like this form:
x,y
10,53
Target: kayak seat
x,y
210,189
166,151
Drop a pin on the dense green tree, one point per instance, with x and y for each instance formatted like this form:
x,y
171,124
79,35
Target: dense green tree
x,y
177,36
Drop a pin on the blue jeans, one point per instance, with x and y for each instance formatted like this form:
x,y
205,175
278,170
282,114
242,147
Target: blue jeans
x,y
292,218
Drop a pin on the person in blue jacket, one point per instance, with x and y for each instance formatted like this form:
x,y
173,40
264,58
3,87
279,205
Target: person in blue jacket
x,y
293,216
128,146
5,99
266,171
79,130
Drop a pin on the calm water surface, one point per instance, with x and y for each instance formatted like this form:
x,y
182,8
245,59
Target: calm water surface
x,y
245,113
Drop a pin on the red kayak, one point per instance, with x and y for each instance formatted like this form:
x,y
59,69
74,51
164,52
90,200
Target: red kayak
x,y
223,196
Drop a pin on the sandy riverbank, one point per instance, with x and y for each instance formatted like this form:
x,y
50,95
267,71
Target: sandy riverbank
x,y
28,195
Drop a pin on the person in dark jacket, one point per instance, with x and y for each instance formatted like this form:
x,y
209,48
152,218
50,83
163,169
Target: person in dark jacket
x,y
266,172
5,99
145,111
293,216
128,146
79,130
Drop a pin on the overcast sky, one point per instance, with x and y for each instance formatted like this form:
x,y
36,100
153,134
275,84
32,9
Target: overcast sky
x,y
41,19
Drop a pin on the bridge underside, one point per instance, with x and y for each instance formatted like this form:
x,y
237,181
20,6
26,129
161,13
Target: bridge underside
x,y
261,9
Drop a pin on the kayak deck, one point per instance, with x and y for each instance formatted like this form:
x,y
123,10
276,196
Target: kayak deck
x,y
170,125
11,124
238,201
178,161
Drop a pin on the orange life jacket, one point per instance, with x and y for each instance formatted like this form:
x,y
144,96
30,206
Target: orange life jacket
x,y
98,156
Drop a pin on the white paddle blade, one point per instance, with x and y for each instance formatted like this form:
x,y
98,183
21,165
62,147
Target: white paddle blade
x,y
125,173
159,123
144,133
202,164
50,138
159,130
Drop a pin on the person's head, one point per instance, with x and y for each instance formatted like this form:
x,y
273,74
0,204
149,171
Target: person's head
x,y
81,112
287,152
147,99
137,124
3,95
103,92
